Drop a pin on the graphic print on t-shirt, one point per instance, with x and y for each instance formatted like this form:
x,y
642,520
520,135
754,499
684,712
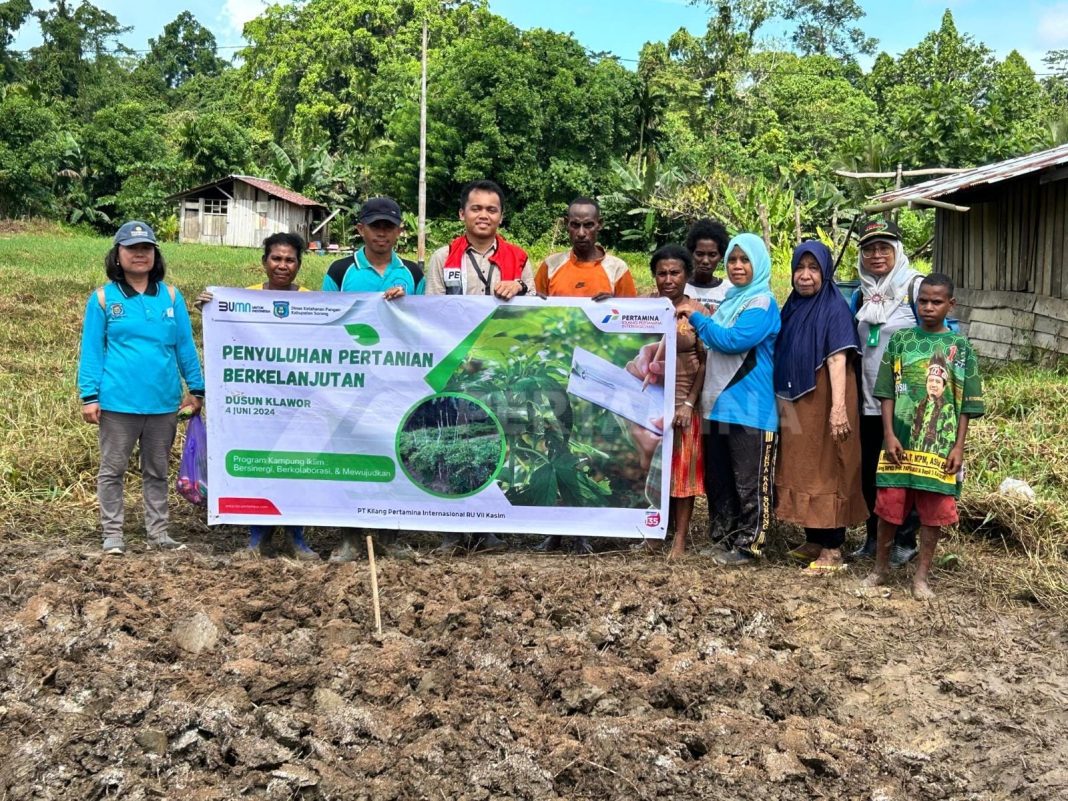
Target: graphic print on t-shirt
x,y
933,379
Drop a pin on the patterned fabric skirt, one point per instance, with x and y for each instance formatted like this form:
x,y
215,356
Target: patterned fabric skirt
x,y
687,461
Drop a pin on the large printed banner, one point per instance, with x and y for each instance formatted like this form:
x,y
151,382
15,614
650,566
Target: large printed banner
x,y
449,413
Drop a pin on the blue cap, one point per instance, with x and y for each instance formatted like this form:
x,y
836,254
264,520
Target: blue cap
x,y
135,232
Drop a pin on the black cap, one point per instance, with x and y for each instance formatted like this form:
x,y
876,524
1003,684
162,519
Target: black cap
x,y
879,230
380,208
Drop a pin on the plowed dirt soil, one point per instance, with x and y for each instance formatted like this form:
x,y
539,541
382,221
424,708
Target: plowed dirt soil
x,y
192,675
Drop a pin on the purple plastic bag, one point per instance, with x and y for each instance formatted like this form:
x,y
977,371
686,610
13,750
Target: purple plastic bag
x,y
192,481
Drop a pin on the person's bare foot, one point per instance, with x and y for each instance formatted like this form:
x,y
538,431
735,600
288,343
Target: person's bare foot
x,y
873,580
828,563
677,552
921,591
831,557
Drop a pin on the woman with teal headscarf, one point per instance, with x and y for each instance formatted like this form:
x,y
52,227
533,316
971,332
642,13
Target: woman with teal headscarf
x,y
739,401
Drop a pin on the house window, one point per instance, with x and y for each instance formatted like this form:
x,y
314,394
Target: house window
x,y
215,206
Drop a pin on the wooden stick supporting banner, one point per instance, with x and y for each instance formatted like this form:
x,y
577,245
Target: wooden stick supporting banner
x,y
421,234
374,584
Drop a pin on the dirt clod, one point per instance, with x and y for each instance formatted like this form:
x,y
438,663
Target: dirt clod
x,y
516,677
154,742
195,634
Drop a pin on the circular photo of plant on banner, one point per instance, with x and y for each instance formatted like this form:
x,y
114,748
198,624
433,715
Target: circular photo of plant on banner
x,y
451,445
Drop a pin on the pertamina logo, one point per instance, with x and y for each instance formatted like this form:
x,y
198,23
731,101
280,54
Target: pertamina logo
x,y
639,321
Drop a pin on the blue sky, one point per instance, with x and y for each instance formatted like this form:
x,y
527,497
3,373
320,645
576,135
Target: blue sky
x,y
622,26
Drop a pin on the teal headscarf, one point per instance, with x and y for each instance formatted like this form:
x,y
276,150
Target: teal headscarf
x,y
738,297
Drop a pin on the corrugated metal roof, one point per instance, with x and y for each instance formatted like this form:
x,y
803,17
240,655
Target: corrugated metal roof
x,y
278,191
262,184
980,176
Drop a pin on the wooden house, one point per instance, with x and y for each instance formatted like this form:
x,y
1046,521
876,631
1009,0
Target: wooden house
x,y
242,210
1001,234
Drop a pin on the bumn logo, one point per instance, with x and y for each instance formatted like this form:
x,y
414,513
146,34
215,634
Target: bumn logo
x,y
234,306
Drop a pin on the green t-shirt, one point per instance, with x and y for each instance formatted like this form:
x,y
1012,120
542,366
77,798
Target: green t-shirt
x,y
933,379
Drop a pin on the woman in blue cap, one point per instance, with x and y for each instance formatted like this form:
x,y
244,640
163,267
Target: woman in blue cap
x,y
818,482
739,400
137,346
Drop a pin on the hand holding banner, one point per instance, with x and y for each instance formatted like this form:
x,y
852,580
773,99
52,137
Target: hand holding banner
x,y
448,413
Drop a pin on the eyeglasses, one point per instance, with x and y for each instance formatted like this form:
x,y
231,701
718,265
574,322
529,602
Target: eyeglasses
x,y
877,249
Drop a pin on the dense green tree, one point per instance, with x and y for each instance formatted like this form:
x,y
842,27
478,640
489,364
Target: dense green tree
x,y
325,99
799,110
527,108
121,142
656,93
949,103
715,59
74,41
214,145
13,13
29,155
1016,110
1056,87
944,58
184,50
309,69
826,28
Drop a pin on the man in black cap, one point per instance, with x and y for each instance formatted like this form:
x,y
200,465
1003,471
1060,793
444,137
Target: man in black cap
x,y
375,267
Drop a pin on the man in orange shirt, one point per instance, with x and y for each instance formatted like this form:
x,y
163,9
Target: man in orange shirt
x,y
585,271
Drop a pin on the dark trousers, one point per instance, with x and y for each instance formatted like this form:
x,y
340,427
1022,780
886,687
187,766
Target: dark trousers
x,y
829,538
871,443
739,479
256,534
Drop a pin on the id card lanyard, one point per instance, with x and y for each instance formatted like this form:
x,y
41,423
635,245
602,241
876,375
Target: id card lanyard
x,y
478,271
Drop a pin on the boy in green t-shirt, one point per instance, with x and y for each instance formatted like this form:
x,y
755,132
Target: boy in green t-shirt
x,y
930,388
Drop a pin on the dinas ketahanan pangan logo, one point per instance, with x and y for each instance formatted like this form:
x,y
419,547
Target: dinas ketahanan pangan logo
x,y
281,308
363,334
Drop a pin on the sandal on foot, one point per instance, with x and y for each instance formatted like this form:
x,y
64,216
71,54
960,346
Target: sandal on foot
x,y
815,569
801,554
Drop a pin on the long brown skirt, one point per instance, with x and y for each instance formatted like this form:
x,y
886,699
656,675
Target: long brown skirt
x,y
817,480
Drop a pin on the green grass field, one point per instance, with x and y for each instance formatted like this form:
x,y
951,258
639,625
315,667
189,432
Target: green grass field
x,y
48,456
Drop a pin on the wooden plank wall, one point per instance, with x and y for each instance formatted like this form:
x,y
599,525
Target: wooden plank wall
x,y
1007,257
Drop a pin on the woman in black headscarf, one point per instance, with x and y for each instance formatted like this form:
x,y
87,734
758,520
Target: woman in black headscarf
x,y
818,481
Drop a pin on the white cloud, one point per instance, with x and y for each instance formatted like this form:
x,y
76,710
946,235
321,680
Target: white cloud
x,y
1053,26
236,13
